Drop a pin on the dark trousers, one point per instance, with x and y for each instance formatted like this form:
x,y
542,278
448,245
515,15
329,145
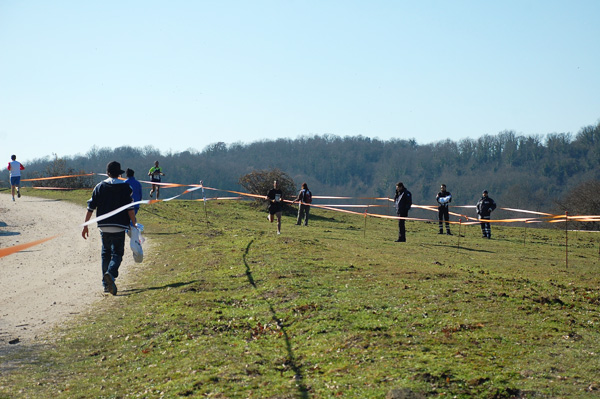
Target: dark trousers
x,y
113,248
443,214
402,226
486,227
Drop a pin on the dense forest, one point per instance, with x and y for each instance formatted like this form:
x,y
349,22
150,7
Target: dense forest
x,y
531,172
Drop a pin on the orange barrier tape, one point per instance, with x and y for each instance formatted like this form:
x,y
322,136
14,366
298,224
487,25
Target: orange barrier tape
x,y
57,177
164,185
336,207
11,250
55,188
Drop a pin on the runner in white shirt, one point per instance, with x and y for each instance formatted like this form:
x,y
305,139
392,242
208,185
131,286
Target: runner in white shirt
x,y
15,169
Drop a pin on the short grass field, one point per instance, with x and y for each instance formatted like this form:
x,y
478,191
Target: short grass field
x,y
222,307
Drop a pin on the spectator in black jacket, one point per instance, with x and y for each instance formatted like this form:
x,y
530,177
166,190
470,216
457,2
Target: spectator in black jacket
x,y
403,202
109,195
485,206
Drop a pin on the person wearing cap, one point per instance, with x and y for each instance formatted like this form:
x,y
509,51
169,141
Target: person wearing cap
x,y
403,203
108,196
15,167
443,198
485,206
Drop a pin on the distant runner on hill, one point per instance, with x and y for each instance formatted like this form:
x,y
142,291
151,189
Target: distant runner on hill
x,y
275,198
155,173
15,169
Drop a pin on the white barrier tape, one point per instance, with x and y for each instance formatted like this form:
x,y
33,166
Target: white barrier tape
x,y
124,207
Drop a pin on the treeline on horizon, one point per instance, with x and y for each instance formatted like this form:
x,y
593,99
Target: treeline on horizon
x,y
534,172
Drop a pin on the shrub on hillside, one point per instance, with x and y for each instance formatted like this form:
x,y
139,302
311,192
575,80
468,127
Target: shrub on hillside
x,y
259,182
583,200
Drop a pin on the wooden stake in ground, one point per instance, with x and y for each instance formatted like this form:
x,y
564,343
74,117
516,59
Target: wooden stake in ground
x,y
567,240
204,200
365,230
458,241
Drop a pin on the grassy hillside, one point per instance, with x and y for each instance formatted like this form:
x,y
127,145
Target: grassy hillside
x,y
222,307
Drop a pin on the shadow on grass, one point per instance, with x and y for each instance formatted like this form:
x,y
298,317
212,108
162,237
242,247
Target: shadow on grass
x,y
37,199
458,248
302,390
14,357
133,291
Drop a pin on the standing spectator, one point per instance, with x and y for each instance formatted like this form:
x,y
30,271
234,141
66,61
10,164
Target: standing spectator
x,y
15,169
485,206
109,195
275,198
443,198
305,199
155,173
136,187
403,202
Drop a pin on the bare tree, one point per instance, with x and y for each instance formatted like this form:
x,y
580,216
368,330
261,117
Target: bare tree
x,y
583,200
259,182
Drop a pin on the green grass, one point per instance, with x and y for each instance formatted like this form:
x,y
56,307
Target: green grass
x,y
224,308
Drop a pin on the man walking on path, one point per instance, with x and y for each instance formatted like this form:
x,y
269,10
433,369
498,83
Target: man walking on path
x,y
15,169
485,206
403,202
109,195
443,198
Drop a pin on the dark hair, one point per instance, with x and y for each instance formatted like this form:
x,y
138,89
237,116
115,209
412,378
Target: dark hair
x,y
13,157
129,172
304,185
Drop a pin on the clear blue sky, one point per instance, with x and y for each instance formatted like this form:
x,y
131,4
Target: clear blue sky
x,y
184,74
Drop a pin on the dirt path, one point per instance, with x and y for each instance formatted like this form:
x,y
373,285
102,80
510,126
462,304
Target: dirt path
x,y
42,286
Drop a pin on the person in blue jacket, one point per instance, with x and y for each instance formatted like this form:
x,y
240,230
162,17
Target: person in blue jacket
x,y
136,188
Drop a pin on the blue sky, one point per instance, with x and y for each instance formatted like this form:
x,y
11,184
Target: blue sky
x,y
184,74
